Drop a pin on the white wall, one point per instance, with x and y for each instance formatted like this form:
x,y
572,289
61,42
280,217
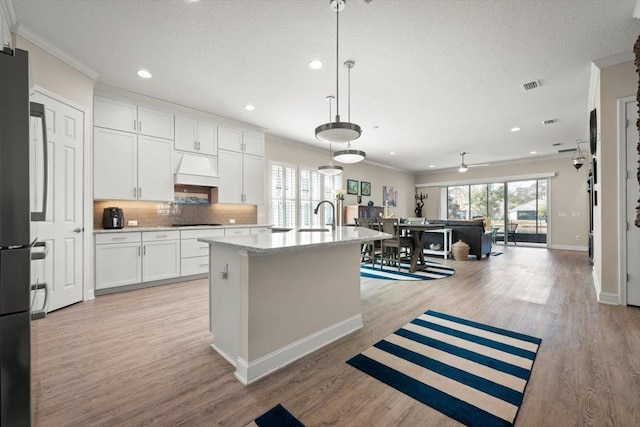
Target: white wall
x,y
304,155
567,189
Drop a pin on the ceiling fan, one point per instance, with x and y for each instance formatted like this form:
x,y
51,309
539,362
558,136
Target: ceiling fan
x,y
464,167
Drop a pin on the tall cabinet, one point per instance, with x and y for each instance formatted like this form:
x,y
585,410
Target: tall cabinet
x,y
240,166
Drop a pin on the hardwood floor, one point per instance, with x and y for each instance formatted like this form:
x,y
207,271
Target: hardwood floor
x,y
143,357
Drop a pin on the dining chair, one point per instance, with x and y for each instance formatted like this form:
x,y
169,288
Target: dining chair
x,y
511,232
395,248
367,249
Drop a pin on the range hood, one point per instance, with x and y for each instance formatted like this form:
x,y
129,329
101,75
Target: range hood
x,y
196,170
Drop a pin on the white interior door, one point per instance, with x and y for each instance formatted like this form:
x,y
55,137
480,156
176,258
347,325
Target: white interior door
x,y
62,230
633,192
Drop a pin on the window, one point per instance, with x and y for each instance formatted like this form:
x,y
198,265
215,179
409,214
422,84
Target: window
x,y
296,191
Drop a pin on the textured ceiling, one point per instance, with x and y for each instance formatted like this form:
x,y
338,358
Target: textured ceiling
x,y
435,77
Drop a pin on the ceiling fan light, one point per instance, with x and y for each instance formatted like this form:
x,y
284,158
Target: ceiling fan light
x,y
330,170
349,156
338,132
463,168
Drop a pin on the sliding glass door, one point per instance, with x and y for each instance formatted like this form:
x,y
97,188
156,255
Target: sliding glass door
x,y
519,207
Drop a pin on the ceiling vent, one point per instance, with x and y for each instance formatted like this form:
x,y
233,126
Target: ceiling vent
x,y
549,122
532,85
555,144
567,150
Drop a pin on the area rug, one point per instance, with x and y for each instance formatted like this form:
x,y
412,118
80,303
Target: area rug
x,y
471,372
277,416
434,271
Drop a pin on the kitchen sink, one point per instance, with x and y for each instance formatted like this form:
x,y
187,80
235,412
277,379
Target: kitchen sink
x,y
304,230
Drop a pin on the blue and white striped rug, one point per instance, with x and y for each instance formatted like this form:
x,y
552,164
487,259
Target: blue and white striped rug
x,y
471,372
434,271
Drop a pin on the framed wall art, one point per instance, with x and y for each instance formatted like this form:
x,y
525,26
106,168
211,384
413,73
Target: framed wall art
x,y
352,186
365,188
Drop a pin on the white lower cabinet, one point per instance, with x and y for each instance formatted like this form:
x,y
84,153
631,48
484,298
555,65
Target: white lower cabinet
x,y
129,258
242,231
260,230
118,259
195,254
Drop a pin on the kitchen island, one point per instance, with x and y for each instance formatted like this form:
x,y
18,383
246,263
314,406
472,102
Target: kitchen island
x,y
277,297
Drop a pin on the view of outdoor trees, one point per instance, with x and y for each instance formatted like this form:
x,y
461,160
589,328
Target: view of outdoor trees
x,y
525,203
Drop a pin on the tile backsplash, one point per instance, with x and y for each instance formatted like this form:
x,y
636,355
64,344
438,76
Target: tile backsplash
x,y
161,214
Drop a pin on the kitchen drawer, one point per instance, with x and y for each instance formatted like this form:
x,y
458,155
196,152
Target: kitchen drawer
x,y
260,230
196,234
196,265
104,238
152,236
237,231
193,248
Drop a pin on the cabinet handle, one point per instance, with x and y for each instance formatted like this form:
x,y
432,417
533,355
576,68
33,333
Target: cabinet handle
x,y
198,145
204,265
139,192
138,250
118,238
134,192
144,250
161,235
195,146
139,126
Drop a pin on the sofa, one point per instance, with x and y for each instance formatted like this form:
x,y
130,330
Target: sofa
x,y
470,232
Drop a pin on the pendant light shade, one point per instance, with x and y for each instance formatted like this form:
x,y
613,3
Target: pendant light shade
x,y
578,158
349,155
337,131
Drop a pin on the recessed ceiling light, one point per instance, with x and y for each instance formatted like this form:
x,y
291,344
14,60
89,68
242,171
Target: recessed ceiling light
x,y
432,166
515,129
533,152
393,153
315,64
249,107
144,74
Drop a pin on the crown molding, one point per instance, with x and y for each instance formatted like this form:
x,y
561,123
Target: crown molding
x,y
618,58
636,10
487,180
24,31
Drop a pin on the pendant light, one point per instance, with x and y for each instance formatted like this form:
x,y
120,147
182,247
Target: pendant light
x,y
338,132
349,155
463,167
330,169
578,158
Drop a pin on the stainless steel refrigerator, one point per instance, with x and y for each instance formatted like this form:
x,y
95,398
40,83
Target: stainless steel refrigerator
x,y
16,243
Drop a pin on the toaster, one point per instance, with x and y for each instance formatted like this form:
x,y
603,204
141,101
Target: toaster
x,y
112,218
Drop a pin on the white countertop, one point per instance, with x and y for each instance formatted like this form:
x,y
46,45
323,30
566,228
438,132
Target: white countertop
x,y
297,240
186,227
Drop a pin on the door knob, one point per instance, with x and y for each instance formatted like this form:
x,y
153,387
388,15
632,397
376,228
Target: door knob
x,y
78,230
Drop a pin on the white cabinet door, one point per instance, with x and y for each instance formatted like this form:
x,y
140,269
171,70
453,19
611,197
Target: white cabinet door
x,y
186,134
155,172
118,265
230,172
155,123
253,179
161,260
108,113
114,165
260,230
229,139
207,139
253,144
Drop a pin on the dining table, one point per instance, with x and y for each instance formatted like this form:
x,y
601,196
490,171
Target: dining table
x,y
416,231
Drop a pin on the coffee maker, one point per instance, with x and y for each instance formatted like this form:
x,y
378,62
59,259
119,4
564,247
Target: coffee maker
x,y
112,218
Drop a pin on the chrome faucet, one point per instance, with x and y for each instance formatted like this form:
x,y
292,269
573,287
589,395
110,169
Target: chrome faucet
x,y
333,210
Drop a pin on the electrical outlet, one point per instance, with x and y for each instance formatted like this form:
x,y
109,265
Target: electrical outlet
x,y
132,222
578,237
232,221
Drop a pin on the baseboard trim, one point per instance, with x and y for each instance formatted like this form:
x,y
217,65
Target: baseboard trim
x,y
570,248
223,354
604,297
248,372
91,295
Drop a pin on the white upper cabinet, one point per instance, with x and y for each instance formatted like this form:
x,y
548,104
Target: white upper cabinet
x,y
5,34
253,143
155,123
253,179
229,139
127,117
131,167
108,113
230,172
195,136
